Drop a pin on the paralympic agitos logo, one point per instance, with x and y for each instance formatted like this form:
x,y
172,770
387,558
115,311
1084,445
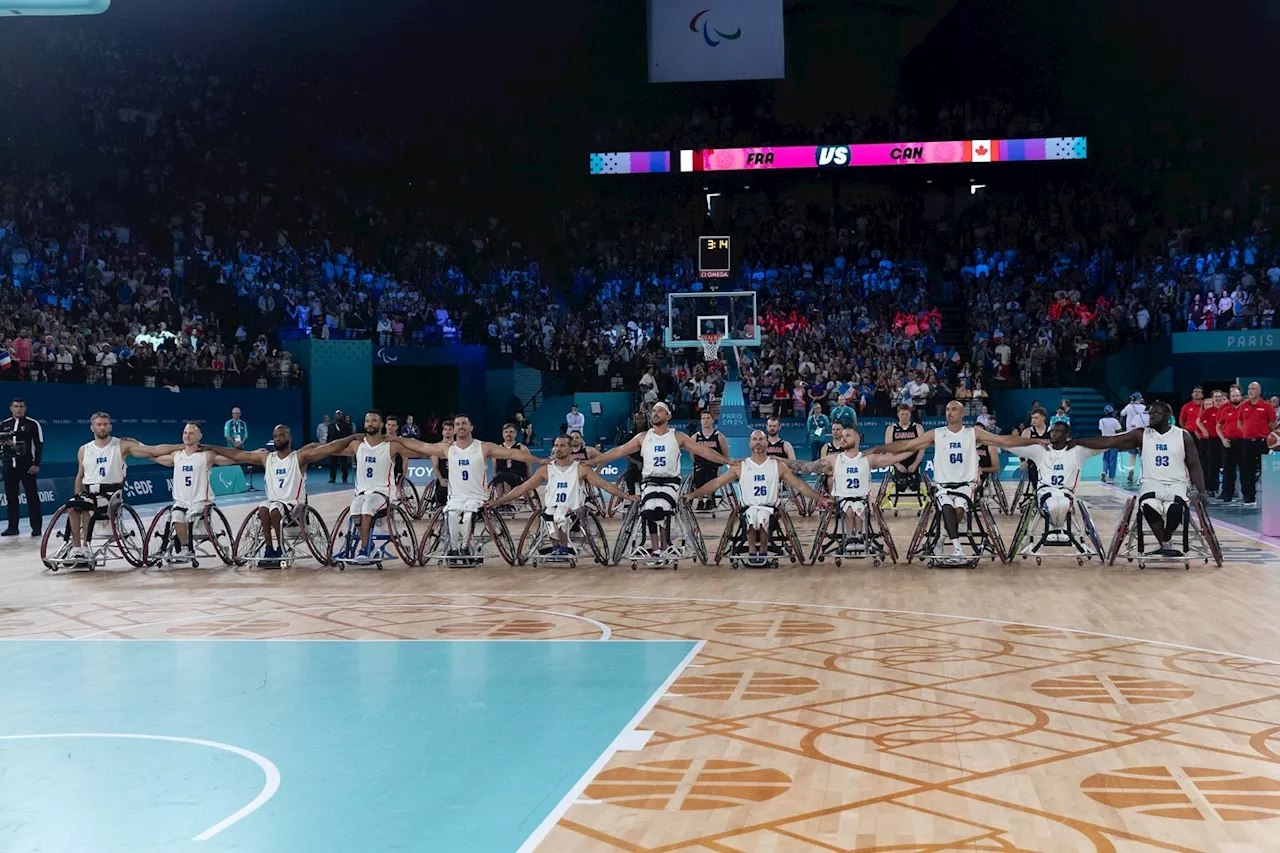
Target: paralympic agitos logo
x,y
707,30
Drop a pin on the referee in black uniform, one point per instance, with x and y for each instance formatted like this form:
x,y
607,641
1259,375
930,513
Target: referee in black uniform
x,y
22,442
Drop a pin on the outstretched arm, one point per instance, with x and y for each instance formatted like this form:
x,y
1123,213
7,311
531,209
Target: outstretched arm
x,y
981,436
605,486
337,447
237,457
716,484
519,454
1130,440
632,446
909,445
817,466
879,459
536,479
412,446
788,476
698,449
155,451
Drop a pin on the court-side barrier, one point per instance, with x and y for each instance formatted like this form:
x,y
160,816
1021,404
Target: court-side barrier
x,y
153,484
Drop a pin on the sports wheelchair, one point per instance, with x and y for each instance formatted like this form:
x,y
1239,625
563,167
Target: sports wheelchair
x,y
991,492
874,541
531,502
409,498
391,536
905,485
586,538
1035,532
303,533
485,536
1199,542
210,538
1024,494
680,530
783,540
115,532
978,530
724,500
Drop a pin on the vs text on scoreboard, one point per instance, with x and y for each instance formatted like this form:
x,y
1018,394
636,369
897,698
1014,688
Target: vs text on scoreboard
x,y
713,257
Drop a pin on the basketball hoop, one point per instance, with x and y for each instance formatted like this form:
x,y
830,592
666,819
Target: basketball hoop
x,y
710,347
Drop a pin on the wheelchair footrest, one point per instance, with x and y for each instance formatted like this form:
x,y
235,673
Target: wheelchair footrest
x,y
947,561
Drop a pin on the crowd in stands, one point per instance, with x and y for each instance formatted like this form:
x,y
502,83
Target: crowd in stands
x,y
196,260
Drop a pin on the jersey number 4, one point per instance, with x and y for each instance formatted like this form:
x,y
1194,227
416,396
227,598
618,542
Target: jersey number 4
x,y
957,458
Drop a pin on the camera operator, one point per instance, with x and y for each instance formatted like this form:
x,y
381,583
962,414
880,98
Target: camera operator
x,y
22,442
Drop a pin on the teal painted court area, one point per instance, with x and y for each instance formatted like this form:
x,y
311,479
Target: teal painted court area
x,y
307,746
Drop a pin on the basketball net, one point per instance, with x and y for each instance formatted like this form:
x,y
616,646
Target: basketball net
x,y
710,347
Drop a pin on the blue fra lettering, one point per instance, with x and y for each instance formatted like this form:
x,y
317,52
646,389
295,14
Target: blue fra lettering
x,y
659,448
955,445
102,460
464,461
280,472
1161,446
371,459
759,478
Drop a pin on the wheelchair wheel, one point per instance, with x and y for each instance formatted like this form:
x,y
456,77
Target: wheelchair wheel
x,y
218,530
1090,529
529,539
695,533
57,540
432,541
250,539
886,537
403,539
615,503
501,537
827,515
1020,534
1122,530
593,532
342,542
1207,533
627,532
730,531
315,534
159,538
992,532
922,529
410,499
129,534
788,528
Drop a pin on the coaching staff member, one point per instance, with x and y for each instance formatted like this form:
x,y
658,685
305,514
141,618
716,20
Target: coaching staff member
x,y
22,442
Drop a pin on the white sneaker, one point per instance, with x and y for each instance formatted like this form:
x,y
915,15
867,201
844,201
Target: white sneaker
x,y
957,551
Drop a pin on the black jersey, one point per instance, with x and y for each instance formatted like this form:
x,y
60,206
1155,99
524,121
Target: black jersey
x,y
1033,473
984,456
712,441
580,454
910,431
776,448
512,466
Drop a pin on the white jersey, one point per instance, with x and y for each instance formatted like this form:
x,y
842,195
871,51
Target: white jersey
x,y
851,476
103,466
955,456
191,478
1164,458
286,481
1109,426
1059,469
661,455
467,472
759,483
564,489
1135,416
373,468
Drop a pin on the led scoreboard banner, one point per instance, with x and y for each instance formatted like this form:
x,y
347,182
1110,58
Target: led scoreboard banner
x,y
843,156
713,257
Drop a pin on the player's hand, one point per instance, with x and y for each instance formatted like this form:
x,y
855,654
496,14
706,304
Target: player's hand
x,y
898,466
490,504
628,497
1226,442
688,496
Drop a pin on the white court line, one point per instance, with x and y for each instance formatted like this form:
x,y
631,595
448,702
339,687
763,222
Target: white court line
x,y
588,595
605,631
269,769
628,731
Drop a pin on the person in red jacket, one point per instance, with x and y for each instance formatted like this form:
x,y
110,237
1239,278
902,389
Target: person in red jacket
x,y
1230,435
1208,443
1257,419
1190,412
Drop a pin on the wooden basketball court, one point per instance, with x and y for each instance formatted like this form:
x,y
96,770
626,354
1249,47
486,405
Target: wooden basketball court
x,y
1010,708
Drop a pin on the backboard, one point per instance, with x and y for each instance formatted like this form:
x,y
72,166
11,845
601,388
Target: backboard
x,y
728,313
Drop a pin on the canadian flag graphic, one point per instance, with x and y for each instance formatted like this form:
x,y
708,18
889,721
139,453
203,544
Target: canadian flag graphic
x,y
982,150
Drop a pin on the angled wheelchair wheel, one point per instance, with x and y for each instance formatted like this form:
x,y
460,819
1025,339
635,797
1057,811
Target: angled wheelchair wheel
x,y
530,538
432,542
1122,530
250,539
827,515
593,531
1091,530
159,540
922,529
410,500
400,528
220,537
129,534
890,548
314,533
730,531
992,532
1207,533
56,542
501,536
342,542
615,503
791,537
627,530
695,534
1020,534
